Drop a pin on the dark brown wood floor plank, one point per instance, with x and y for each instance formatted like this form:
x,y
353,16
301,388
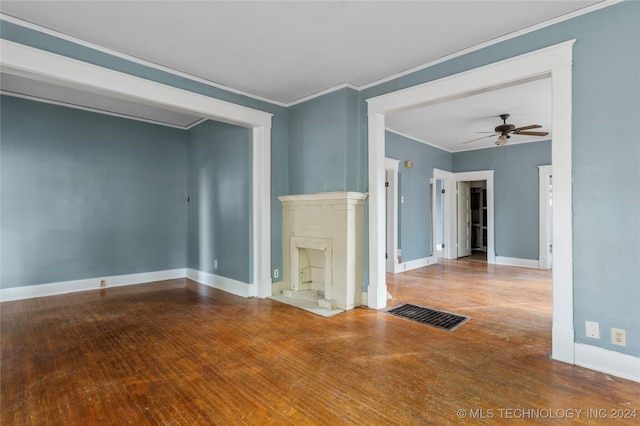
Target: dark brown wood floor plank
x,y
179,353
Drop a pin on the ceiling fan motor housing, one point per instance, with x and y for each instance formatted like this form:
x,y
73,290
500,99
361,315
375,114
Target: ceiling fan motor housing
x,y
504,128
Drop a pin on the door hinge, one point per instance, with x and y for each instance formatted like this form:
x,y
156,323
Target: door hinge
x,y
443,191
386,184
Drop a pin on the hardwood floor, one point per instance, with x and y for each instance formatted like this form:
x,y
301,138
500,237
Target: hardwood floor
x,y
179,353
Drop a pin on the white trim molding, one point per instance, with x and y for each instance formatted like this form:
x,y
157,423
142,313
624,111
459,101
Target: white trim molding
x,y
544,236
554,62
64,287
417,263
392,165
40,65
513,261
222,283
608,361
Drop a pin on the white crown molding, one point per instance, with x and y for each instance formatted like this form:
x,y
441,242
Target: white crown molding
x,y
417,139
559,19
63,287
139,61
324,92
494,41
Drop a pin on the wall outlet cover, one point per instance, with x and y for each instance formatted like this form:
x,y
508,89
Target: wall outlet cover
x,y
619,336
593,329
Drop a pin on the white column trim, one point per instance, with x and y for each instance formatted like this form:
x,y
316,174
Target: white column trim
x,y
377,289
561,86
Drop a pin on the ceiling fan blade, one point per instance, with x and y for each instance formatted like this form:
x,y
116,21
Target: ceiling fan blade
x,y
483,137
533,126
532,133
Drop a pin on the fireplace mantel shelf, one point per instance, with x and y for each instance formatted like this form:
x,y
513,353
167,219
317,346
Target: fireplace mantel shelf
x,y
323,196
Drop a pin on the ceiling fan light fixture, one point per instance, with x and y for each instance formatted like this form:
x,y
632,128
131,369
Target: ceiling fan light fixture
x,y
503,139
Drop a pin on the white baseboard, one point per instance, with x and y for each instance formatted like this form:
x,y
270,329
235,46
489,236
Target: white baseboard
x,y
513,261
222,283
415,264
51,289
608,361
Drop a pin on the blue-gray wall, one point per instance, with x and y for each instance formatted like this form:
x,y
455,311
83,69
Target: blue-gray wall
x,y
219,212
515,193
325,153
414,215
86,195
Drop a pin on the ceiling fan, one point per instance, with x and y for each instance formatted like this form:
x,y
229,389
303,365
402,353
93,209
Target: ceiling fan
x,y
506,130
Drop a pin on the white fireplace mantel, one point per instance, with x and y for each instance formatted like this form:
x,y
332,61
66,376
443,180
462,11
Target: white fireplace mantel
x,y
335,221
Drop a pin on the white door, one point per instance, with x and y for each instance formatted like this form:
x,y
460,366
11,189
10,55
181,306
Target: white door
x,y
464,219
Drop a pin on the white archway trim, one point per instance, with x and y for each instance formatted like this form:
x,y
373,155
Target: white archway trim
x,y
36,64
554,61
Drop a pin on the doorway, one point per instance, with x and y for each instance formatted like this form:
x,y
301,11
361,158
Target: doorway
x,y
478,220
450,217
554,61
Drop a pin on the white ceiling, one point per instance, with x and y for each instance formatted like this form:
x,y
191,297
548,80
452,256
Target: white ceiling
x,y
287,51
448,125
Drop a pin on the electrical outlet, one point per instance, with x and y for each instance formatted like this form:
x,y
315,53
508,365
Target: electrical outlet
x,y
619,336
276,273
593,329
215,264
103,283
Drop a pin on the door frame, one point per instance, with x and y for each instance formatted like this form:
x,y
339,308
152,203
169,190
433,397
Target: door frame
x,y
554,62
392,262
450,213
545,237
